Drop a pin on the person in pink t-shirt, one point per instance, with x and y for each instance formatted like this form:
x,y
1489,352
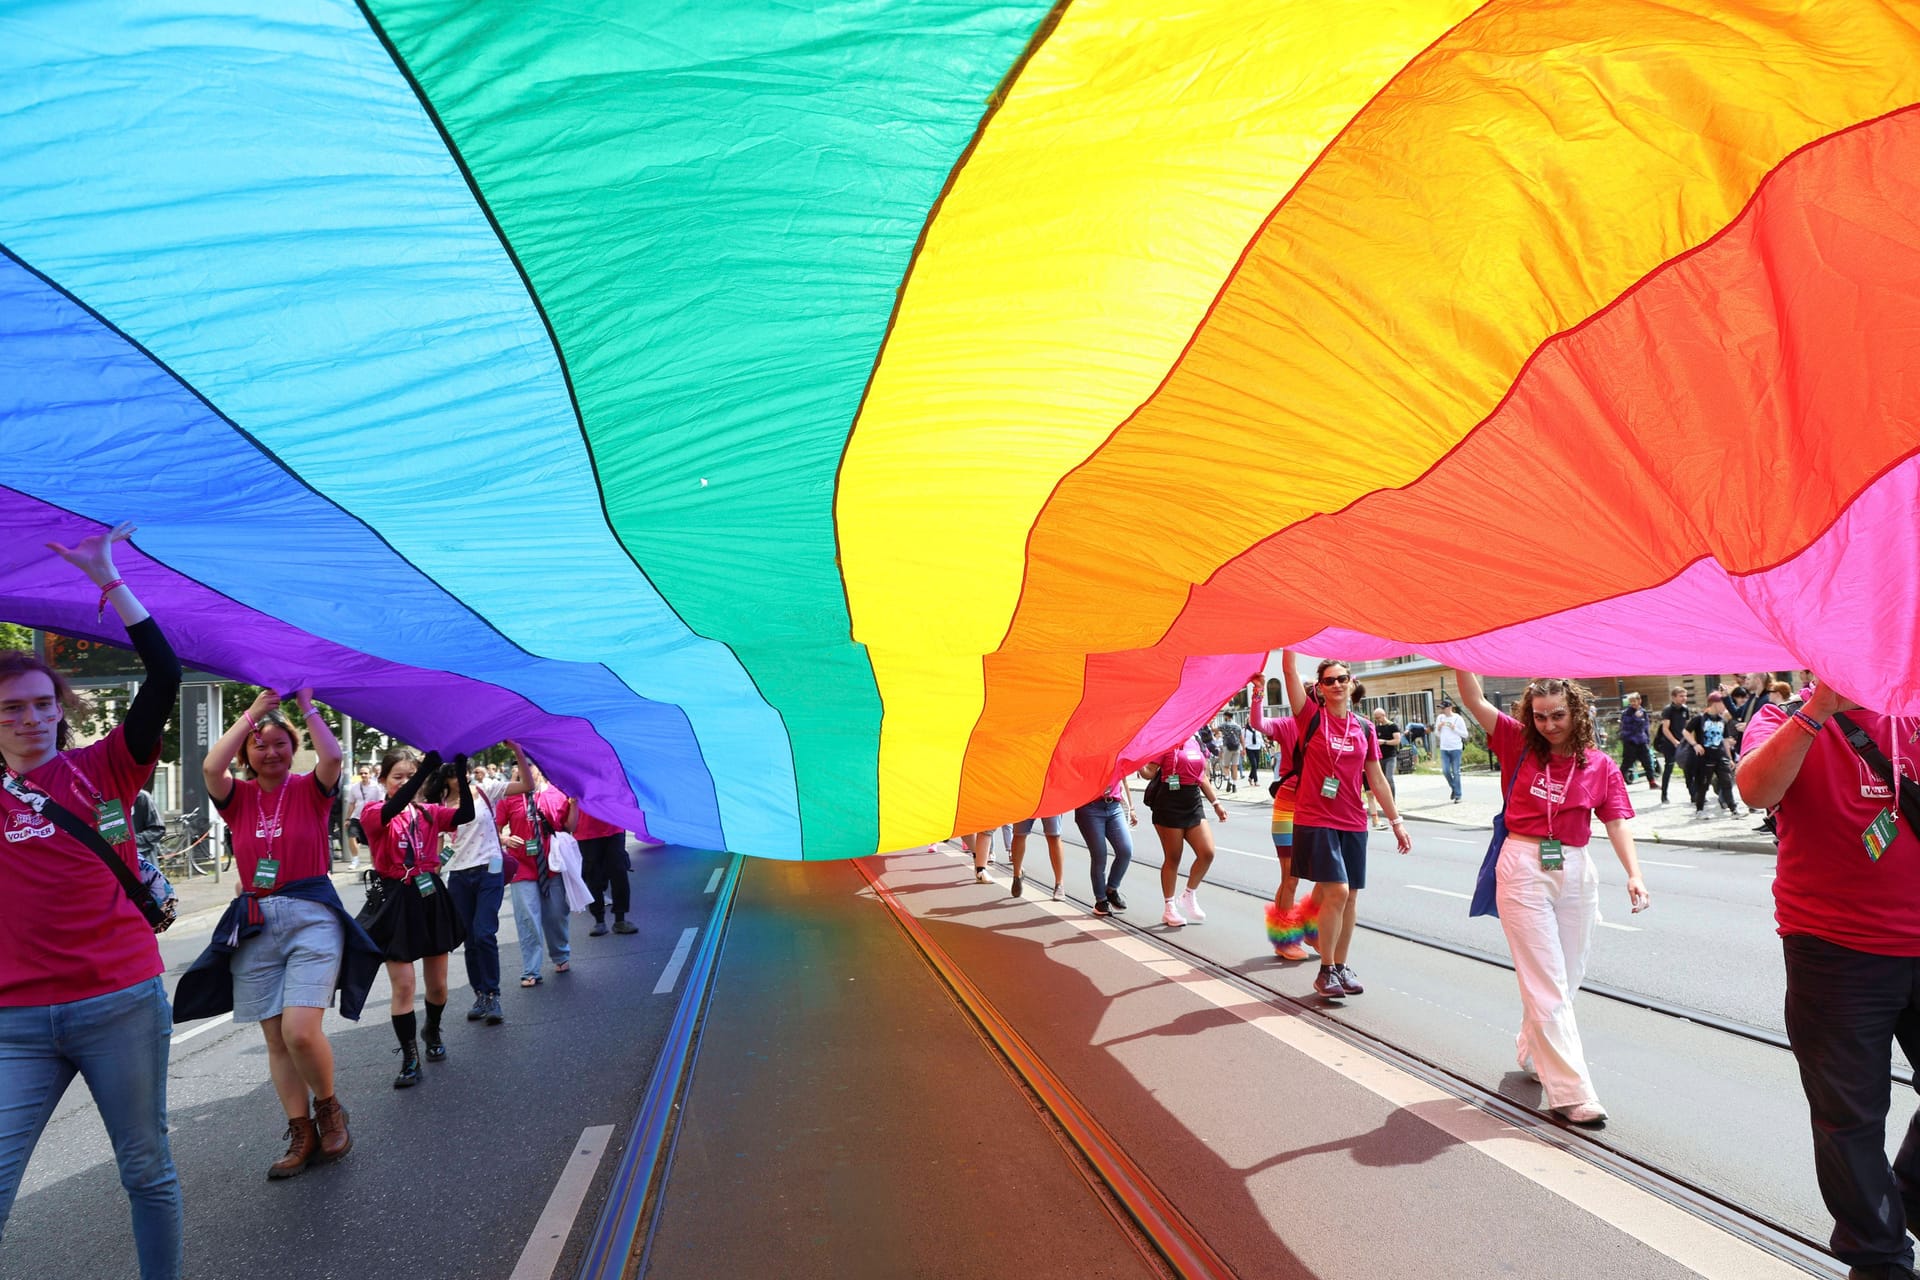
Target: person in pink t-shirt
x,y
1177,819
1339,757
416,919
1547,888
1846,897
540,910
604,866
1288,927
80,973
284,975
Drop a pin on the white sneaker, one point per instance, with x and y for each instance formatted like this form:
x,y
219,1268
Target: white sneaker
x,y
1059,894
979,875
1586,1113
1190,906
1172,917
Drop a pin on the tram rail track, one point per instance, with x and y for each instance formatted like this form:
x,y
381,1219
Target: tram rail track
x,y
1778,1239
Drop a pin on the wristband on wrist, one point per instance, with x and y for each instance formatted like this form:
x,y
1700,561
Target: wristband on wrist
x,y
251,722
310,711
1807,722
1396,822
100,614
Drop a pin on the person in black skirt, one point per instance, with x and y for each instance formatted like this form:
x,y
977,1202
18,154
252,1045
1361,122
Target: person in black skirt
x,y
414,919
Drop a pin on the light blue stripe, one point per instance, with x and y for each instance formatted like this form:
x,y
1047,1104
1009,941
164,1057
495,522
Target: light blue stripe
x,y
290,236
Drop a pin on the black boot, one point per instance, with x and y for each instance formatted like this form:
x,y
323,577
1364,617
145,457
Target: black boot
x,y
403,1031
436,1051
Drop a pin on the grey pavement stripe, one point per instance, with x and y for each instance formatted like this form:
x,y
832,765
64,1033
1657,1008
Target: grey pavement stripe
x,y
550,1233
714,882
677,961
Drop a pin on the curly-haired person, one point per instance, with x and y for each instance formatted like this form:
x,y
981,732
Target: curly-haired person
x,y
1547,888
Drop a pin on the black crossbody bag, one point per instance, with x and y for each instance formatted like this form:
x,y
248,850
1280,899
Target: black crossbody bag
x,y
68,822
1906,794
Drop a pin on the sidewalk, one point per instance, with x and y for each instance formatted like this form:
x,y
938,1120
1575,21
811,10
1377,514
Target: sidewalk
x,y
1424,796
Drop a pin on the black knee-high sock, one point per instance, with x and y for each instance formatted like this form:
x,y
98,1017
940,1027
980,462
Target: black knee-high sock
x,y
403,1028
433,1015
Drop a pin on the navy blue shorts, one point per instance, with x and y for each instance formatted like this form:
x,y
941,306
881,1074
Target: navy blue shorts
x,y
1324,855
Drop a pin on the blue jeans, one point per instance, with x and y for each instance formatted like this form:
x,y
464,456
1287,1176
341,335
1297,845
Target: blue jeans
x,y
542,922
1101,823
119,1043
476,894
1450,768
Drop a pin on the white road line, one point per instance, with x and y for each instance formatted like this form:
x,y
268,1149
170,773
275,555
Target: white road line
x,y
714,882
1677,866
549,1238
1449,839
1444,892
676,961
208,1025
1639,1214
1624,928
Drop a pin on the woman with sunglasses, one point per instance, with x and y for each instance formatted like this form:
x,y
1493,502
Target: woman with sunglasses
x,y
1339,757
1178,818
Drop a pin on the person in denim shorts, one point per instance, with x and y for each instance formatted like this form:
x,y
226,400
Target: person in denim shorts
x,y
284,975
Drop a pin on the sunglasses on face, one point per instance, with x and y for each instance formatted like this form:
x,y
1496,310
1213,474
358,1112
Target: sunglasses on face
x,y
1331,681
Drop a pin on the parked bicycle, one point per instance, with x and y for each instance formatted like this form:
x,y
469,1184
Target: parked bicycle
x,y
190,849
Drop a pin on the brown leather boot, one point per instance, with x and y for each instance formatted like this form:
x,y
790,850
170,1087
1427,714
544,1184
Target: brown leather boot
x,y
330,1119
303,1143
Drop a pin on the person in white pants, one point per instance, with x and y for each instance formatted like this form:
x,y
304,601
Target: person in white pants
x,y
1547,886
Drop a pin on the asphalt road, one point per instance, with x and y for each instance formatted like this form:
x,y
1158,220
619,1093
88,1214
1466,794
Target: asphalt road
x,y
445,1180
1717,1109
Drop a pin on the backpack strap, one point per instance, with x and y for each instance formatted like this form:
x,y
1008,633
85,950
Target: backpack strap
x,y
1906,794
1300,746
96,844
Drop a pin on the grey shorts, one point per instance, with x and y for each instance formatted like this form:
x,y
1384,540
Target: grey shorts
x,y
293,961
1048,826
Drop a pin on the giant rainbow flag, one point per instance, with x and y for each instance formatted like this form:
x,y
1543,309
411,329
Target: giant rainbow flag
x,y
826,427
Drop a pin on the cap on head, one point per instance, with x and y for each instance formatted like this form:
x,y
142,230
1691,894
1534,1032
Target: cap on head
x,y
1716,696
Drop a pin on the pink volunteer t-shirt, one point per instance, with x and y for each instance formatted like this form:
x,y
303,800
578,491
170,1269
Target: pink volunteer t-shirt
x,y
1187,761
1825,884
511,813
1556,801
417,827
588,827
1282,734
290,826
1339,746
67,929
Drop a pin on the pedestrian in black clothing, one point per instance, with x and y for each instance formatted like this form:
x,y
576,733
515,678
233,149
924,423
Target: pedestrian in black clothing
x,y
1635,740
1711,762
1672,742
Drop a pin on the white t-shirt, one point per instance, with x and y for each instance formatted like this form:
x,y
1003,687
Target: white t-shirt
x,y
475,844
360,794
1450,731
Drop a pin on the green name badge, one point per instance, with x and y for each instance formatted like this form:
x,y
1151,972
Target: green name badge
x,y
424,883
265,872
1329,786
1551,857
1879,834
1173,782
111,819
